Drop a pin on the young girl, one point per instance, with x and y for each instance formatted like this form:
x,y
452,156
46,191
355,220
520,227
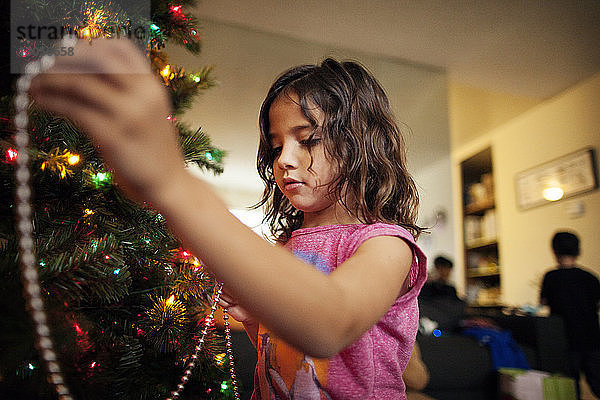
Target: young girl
x,y
332,308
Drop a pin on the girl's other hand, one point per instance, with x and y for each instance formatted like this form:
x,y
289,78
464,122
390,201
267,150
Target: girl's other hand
x,y
241,315
235,310
108,90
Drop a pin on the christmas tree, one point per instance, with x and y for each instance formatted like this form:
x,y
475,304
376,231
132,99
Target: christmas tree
x,y
125,302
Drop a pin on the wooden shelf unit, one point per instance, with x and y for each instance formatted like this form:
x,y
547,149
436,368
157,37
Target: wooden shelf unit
x,y
480,241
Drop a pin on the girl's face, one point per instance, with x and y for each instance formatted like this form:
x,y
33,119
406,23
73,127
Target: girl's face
x,y
302,170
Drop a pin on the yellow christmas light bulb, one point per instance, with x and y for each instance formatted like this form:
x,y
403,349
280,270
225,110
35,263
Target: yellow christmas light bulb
x,y
220,359
166,71
87,211
59,161
73,159
170,300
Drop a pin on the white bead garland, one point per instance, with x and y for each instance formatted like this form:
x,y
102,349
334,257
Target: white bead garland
x,y
208,321
230,353
29,272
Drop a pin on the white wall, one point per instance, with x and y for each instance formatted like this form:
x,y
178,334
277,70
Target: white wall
x,y
559,126
246,63
436,211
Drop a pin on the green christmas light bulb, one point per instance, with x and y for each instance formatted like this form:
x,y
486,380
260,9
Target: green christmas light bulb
x,y
101,179
224,386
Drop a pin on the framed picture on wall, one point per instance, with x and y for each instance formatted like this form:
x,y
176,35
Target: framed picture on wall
x,y
564,177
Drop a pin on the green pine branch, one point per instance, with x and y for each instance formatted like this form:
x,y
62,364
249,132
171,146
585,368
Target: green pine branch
x,y
197,149
184,87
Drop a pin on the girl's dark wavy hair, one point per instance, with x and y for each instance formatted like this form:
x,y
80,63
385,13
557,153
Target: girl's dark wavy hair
x,y
360,136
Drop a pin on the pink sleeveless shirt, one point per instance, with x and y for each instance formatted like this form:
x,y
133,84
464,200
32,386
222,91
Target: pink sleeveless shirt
x,y
372,366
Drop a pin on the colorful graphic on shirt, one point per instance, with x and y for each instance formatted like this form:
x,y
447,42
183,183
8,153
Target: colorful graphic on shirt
x,y
305,378
315,259
287,373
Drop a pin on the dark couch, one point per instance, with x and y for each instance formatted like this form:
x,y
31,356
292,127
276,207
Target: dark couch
x,y
461,369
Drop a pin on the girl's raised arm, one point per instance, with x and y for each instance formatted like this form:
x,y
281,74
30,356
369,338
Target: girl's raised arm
x,y
125,115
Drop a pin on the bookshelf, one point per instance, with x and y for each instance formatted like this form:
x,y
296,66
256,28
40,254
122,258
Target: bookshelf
x,y
480,239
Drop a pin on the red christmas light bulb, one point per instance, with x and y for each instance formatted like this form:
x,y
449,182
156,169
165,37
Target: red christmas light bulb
x,y
175,9
11,154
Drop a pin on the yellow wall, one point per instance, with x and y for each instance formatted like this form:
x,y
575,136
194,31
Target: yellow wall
x,y
474,112
561,125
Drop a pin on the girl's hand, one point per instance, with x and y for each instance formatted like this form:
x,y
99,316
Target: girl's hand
x,y
240,315
235,310
108,90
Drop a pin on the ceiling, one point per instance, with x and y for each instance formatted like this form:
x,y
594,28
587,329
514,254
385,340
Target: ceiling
x,y
527,48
